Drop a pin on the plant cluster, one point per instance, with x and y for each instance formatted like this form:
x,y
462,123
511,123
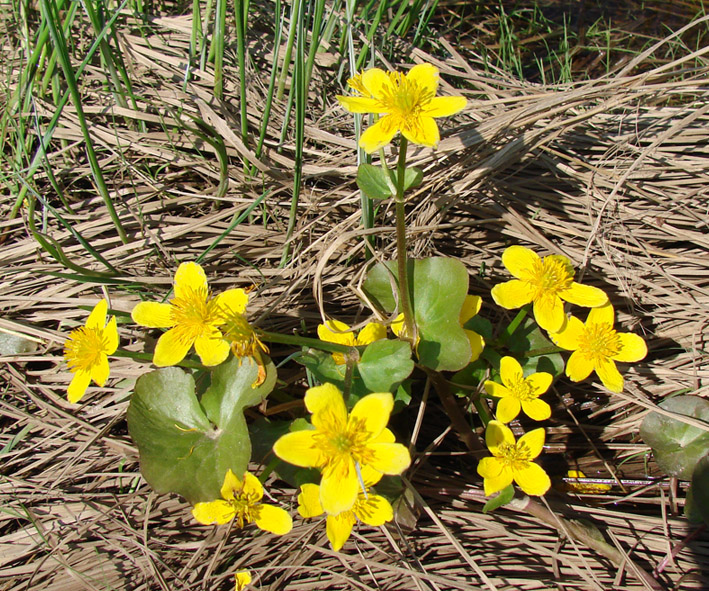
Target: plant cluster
x,y
187,417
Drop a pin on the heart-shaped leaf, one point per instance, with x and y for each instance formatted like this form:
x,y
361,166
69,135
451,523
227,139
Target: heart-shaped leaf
x,y
187,447
385,364
677,446
376,183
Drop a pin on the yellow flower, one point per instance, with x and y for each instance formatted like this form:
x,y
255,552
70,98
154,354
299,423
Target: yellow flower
x,y
241,579
193,317
545,282
334,331
408,104
342,444
597,346
245,342
86,351
471,306
241,501
517,392
512,460
369,508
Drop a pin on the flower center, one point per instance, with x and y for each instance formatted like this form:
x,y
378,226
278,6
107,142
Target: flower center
x,y
339,444
242,337
84,348
550,276
515,456
245,506
194,313
522,389
403,97
599,341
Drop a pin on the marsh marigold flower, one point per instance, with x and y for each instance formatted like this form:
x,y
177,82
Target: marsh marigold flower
x,y
518,392
407,103
512,460
334,331
368,508
86,351
241,500
242,578
545,282
341,445
193,317
597,346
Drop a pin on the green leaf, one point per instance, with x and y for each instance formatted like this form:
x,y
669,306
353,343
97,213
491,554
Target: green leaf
x,y
186,447
505,496
700,489
438,289
385,364
376,183
529,338
677,446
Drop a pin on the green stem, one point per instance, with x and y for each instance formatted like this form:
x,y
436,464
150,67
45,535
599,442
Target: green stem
x,y
287,339
401,260
149,358
512,326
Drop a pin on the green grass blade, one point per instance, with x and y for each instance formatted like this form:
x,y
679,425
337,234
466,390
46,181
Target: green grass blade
x,y
218,48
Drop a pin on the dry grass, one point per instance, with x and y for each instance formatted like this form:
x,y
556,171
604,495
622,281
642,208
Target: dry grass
x,y
613,173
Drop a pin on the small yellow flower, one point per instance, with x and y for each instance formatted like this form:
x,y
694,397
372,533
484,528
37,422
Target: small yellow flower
x,y
369,508
408,104
193,317
518,392
546,282
471,306
512,461
588,488
241,501
334,331
341,444
245,342
86,351
241,580
597,346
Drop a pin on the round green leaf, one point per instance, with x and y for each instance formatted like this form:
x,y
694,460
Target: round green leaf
x,y
185,447
700,489
677,446
385,364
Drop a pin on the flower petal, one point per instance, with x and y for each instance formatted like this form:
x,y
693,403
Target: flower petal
x,y
397,326
493,482
339,528
242,578
100,371
386,436
219,512
610,376
371,414
570,335
520,261
601,315
497,434
533,480
153,315
584,295
370,333
471,306
232,301
490,467
549,312
309,501
334,331
110,334
390,458
359,104
444,106
212,348
379,135
578,367
425,76
298,448
97,317
171,348
273,519
512,294
328,407
375,510
510,371
533,441
376,82
252,487
369,475
507,409
422,130
78,385
536,409
190,277
231,485
477,344
540,382
633,348
339,487
497,390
